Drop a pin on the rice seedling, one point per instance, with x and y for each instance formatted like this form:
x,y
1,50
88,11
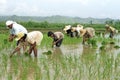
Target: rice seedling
x,y
116,46
89,66
69,40
102,47
92,42
47,53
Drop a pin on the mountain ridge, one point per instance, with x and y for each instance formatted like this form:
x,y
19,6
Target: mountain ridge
x,y
56,19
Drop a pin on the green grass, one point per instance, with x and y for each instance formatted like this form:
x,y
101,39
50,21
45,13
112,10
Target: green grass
x,y
69,40
47,41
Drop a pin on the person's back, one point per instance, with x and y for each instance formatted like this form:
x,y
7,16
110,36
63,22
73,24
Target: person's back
x,y
34,36
87,33
57,38
16,28
111,30
91,31
59,35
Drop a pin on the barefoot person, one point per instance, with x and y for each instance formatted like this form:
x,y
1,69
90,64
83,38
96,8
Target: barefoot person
x,y
57,38
15,29
32,39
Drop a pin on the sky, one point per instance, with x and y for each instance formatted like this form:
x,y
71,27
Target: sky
x,y
72,8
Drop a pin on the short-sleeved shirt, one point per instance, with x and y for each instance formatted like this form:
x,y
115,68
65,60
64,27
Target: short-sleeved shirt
x,y
16,28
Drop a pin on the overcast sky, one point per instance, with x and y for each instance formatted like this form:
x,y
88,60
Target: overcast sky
x,y
73,8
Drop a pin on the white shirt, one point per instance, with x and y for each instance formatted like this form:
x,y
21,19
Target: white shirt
x,y
34,36
16,28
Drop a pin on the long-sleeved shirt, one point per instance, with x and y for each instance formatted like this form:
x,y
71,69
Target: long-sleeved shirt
x,y
16,28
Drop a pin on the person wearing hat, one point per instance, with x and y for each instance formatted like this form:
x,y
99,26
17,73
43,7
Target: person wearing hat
x,y
32,39
15,31
87,33
110,29
57,38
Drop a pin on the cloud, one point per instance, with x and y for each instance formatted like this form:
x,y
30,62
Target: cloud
x,y
2,6
83,2
2,2
80,8
25,9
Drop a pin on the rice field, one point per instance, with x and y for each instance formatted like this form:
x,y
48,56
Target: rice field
x,y
98,60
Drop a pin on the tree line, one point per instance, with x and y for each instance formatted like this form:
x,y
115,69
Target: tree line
x,y
47,25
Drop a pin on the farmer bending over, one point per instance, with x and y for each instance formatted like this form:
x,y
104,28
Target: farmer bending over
x,y
15,29
110,29
57,38
87,33
32,39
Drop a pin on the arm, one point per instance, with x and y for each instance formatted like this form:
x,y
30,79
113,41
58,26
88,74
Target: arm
x,y
13,33
11,37
60,37
57,40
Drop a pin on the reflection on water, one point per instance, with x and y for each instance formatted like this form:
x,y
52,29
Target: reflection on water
x,y
88,50
27,68
72,49
17,68
110,49
79,49
57,51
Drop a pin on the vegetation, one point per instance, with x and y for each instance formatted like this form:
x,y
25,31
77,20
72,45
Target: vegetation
x,y
58,22
51,66
88,67
99,63
59,26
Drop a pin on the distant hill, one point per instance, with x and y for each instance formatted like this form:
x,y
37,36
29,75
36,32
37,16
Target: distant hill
x,y
55,19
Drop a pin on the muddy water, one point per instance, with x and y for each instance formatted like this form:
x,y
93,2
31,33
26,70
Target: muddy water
x,y
79,49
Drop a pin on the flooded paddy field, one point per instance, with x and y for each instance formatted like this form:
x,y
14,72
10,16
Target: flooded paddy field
x,y
72,61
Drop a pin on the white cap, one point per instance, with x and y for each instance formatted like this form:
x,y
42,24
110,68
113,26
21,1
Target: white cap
x,y
9,22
